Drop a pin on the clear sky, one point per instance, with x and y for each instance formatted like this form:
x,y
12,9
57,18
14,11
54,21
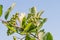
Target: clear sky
x,y
52,12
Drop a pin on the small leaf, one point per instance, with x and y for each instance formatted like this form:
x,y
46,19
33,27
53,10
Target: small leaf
x,y
26,29
31,29
14,37
39,27
24,22
9,32
9,26
33,10
9,10
42,30
48,36
30,17
44,20
1,10
29,38
41,23
40,35
40,13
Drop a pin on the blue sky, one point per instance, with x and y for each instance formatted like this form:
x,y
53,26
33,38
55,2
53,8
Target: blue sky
x,y
52,12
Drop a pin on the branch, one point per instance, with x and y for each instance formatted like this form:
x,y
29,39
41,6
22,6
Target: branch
x,y
21,38
34,36
2,20
7,22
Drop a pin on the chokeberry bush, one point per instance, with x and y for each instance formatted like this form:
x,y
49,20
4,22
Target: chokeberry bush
x,y
29,24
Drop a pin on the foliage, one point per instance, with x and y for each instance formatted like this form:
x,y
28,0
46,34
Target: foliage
x,y
48,36
30,25
1,8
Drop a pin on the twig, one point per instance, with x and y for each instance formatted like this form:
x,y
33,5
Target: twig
x,y
2,20
22,38
34,36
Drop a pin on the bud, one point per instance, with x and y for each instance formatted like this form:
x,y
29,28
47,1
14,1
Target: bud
x,y
13,5
38,23
40,35
33,10
22,15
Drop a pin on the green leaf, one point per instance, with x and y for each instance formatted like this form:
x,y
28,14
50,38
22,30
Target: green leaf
x,y
32,38
9,26
9,32
33,10
24,22
11,29
30,15
14,37
42,30
41,23
48,36
31,29
40,26
1,10
26,28
44,20
29,38
40,13
9,10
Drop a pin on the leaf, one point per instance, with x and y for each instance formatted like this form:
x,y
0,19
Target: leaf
x,y
26,28
42,30
9,26
33,10
19,30
40,35
41,23
29,38
48,36
14,17
9,32
30,15
11,29
31,29
14,37
1,10
44,20
32,38
24,22
39,27
40,13
9,10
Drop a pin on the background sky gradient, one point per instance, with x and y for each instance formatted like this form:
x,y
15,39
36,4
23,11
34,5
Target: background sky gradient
x,y
52,12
